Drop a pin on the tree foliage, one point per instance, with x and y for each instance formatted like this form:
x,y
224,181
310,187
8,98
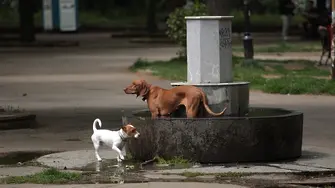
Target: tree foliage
x,y
177,24
219,7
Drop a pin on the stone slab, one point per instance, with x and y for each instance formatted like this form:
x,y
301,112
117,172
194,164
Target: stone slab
x,y
206,178
153,176
300,168
223,169
252,168
314,181
318,157
271,177
74,159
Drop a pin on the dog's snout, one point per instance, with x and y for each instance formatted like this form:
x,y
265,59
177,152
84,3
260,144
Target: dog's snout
x,y
126,90
137,135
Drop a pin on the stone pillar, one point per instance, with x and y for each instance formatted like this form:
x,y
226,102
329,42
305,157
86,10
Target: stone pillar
x,y
210,66
209,49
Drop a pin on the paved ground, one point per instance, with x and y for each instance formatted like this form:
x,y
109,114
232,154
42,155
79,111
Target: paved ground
x,y
67,88
137,185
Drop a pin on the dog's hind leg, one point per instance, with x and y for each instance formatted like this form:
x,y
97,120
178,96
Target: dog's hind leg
x,y
193,108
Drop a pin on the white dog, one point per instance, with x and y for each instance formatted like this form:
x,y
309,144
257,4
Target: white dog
x,y
114,139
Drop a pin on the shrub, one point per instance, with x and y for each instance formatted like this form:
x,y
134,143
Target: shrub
x,y
177,24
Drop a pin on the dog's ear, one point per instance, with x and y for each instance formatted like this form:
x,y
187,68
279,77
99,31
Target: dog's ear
x,y
124,128
144,88
124,118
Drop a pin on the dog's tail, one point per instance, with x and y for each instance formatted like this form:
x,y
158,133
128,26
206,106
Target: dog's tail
x,y
205,102
94,124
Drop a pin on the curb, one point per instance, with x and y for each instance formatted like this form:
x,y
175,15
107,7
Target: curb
x,y
151,41
138,35
279,179
41,44
17,121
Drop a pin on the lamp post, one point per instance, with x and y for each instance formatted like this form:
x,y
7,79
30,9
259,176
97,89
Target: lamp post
x,y
247,39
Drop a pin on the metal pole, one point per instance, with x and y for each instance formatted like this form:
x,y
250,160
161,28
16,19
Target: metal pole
x,y
247,39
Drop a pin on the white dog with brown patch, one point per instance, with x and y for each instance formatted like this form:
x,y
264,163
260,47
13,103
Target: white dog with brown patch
x,y
114,139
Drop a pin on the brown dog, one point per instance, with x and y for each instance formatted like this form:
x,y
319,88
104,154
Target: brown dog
x,y
163,102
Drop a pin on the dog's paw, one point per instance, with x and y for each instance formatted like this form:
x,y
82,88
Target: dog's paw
x,y
119,160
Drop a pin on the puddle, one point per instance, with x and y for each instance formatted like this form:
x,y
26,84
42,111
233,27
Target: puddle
x,y
11,158
130,166
109,171
307,155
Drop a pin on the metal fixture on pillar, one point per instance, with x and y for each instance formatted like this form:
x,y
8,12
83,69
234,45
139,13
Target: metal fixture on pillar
x,y
247,39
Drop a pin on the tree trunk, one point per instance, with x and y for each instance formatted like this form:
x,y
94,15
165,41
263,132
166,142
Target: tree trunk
x,y
151,16
27,28
218,7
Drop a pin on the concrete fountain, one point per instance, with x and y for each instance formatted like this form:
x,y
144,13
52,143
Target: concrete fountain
x,y
244,134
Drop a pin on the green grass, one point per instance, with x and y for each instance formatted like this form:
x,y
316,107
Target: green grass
x,y
299,85
173,161
48,176
305,80
307,71
192,174
283,47
172,70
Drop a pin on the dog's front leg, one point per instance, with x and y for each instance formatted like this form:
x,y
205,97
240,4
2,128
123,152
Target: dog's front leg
x,y
154,115
120,157
124,150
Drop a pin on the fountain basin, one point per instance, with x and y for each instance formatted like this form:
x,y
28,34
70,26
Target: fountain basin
x,y
264,135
